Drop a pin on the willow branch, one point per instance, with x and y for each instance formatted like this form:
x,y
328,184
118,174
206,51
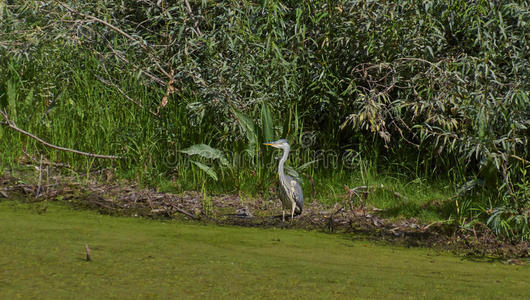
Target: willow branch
x,y
520,158
123,58
12,125
121,32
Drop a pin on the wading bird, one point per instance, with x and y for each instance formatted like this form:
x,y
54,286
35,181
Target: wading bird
x,y
290,191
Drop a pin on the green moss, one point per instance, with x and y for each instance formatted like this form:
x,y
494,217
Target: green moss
x,y
43,255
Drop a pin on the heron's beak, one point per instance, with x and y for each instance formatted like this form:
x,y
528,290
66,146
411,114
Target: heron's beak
x,y
273,144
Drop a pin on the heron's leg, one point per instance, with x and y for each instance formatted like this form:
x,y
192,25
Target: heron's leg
x,y
283,215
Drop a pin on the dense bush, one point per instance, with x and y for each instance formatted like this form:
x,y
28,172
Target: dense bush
x,y
442,87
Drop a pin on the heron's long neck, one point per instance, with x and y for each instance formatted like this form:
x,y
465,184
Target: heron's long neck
x,y
282,162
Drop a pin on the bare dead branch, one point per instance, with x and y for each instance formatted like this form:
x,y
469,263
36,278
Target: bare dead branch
x,y
185,212
11,125
366,189
169,90
46,161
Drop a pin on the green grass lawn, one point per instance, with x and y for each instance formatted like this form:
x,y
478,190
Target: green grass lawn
x,y
43,256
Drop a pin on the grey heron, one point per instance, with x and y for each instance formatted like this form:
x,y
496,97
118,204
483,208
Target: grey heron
x,y
290,191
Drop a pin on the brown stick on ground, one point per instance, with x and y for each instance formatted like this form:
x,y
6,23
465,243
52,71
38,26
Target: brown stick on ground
x,y
39,188
186,213
366,189
87,252
45,162
12,125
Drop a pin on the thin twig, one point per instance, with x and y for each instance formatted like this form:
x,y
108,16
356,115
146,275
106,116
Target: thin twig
x,y
11,125
519,158
111,84
169,90
123,33
123,58
46,161
351,192
366,188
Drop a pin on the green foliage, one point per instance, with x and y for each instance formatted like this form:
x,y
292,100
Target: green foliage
x,y
429,89
509,222
267,123
206,152
249,129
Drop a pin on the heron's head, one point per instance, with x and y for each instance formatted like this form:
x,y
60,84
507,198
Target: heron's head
x,y
282,144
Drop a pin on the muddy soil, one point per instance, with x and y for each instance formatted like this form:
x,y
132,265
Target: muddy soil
x,y
130,200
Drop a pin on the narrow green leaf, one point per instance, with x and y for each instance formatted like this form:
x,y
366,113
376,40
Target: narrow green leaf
x,y
266,121
247,125
11,101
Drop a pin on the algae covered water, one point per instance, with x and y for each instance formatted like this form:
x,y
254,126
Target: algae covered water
x,y
43,256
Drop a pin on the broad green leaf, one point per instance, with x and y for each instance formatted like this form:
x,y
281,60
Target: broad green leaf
x,y
206,169
206,151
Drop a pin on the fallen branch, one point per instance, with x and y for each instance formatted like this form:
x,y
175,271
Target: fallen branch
x,y
365,189
167,211
11,125
45,161
185,212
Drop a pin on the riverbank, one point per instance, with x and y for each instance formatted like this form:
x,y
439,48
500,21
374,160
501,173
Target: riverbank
x,y
126,199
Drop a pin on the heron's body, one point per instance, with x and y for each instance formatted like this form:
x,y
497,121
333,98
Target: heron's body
x,y
289,190
293,187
